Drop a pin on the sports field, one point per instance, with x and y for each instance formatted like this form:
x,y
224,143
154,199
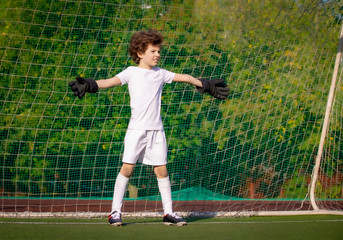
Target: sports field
x,y
290,227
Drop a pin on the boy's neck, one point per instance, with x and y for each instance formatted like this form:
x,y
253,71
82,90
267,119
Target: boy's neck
x,y
141,65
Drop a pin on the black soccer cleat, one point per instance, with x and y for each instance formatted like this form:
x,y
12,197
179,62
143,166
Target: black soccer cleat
x,y
115,219
173,219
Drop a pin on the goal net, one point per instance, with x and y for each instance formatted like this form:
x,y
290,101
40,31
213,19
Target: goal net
x,y
251,153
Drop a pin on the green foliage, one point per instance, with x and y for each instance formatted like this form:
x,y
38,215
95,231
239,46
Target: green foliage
x,y
276,56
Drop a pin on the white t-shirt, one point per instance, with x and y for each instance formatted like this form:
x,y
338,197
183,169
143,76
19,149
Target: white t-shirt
x,y
145,89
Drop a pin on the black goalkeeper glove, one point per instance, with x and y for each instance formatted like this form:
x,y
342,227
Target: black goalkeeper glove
x,y
215,87
83,85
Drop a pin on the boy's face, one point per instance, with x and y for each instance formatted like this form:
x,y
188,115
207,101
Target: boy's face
x,y
150,57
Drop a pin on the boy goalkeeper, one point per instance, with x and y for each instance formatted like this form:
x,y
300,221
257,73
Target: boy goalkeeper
x,y
145,139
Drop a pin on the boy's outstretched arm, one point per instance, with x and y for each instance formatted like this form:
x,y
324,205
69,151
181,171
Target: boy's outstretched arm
x,y
187,79
215,87
82,85
107,83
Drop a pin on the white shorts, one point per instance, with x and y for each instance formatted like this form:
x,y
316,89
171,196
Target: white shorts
x,y
146,146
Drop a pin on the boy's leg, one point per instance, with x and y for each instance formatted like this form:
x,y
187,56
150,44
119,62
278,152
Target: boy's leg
x,y
120,186
164,187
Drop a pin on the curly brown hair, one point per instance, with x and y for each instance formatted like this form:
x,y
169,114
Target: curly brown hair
x,y
140,41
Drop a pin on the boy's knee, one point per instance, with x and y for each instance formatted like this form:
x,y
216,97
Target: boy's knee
x,y
127,170
161,171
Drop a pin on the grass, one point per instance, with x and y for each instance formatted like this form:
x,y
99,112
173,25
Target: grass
x,y
290,227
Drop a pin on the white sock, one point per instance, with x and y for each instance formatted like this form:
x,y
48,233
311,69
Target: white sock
x,y
165,190
119,192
